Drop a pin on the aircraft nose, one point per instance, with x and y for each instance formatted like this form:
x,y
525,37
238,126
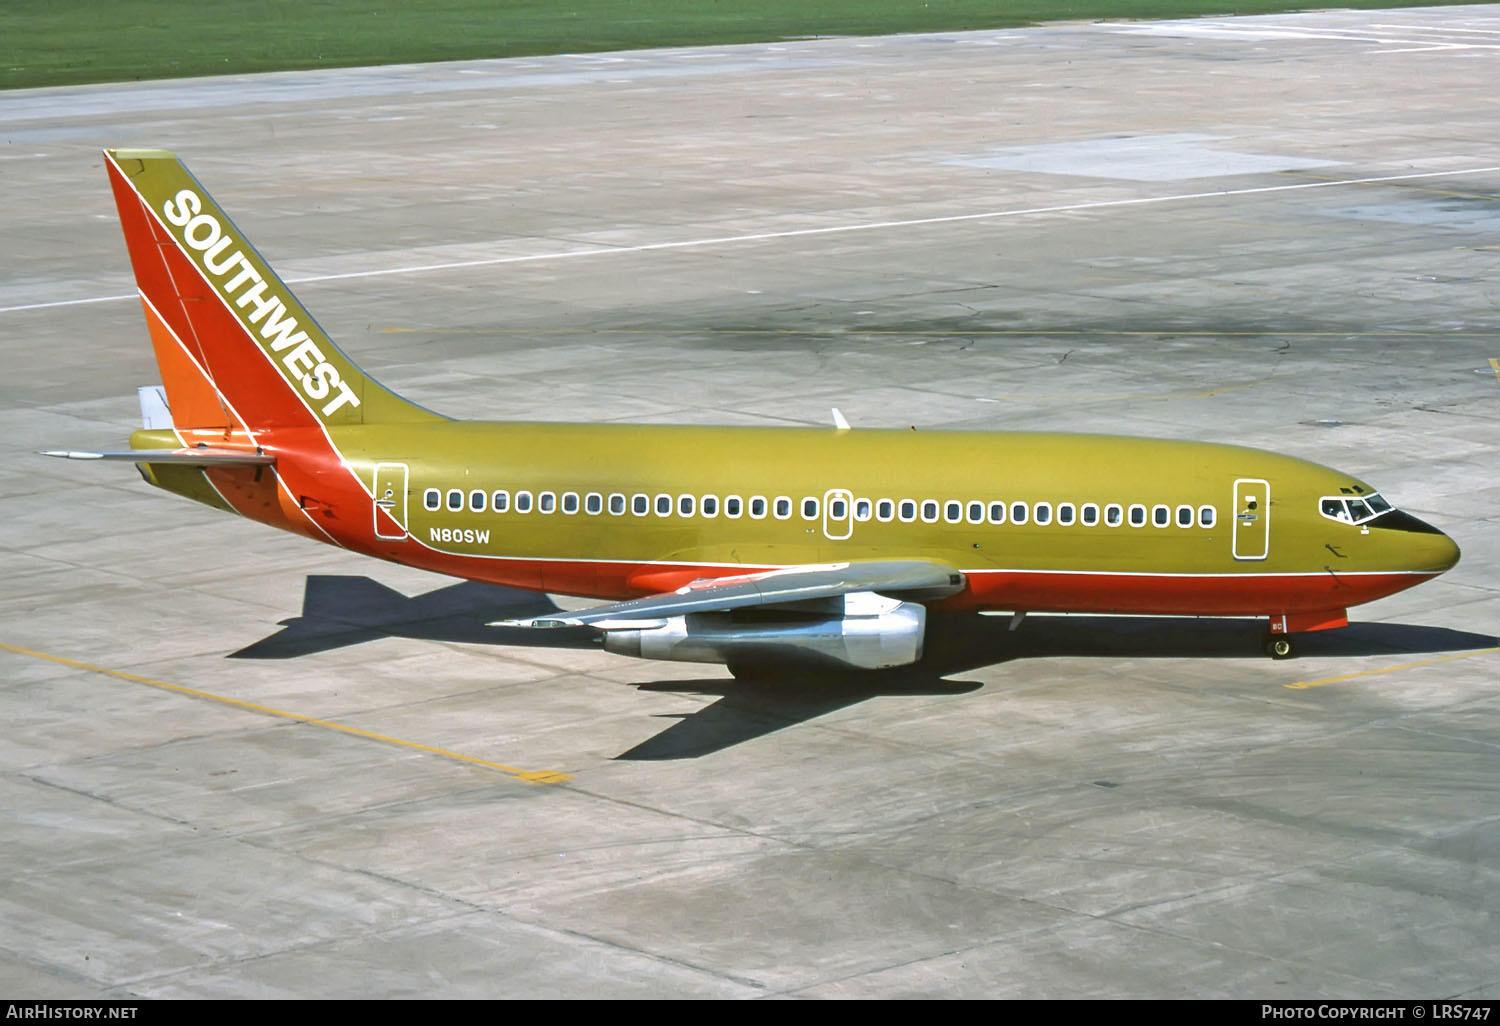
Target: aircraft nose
x,y
1445,552
1432,551
1424,549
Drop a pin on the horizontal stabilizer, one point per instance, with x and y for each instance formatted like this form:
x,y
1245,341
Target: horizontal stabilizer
x,y
197,457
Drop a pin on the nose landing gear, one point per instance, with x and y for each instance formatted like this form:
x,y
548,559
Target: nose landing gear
x,y
1279,646
1282,628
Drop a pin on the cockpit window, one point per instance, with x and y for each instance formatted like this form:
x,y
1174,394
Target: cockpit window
x,y
1334,509
1351,510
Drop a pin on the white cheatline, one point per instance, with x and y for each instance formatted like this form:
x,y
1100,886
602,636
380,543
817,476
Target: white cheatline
x,y
725,240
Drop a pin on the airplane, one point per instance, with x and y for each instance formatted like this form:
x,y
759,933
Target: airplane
x,y
755,547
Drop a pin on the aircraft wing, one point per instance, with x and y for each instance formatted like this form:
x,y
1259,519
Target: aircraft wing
x,y
198,456
908,579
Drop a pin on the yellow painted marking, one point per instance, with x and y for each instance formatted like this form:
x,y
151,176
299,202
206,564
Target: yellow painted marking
x,y
529,776
1496,365
1304,685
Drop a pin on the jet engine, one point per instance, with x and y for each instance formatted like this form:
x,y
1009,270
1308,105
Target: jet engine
x,y
861,630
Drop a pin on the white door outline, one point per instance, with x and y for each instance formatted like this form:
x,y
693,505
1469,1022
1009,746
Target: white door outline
x,y
1252,518
390,496
838,528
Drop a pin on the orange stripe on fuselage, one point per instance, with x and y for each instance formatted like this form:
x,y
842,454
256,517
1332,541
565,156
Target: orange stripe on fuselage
x,y
1247,594
1244,594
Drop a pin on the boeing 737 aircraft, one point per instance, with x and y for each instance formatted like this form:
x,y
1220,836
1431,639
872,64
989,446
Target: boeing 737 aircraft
x,y
747,546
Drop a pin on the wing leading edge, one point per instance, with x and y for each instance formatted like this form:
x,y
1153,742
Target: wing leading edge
x,y
914,580
864,616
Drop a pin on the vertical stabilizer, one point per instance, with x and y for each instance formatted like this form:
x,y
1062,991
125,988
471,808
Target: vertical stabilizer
x,y
236,349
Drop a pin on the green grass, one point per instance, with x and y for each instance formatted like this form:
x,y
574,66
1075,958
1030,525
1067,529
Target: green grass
x,y
62,42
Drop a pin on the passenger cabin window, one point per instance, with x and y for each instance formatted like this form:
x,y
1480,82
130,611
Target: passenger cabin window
x,y
929,511
685,505
757,507
1137,515
1066,514
1041,513
733,506
455,499
663,505
1089,514
593,504
1205,516
838,509
809,508
546,502
976,513
783,507
953,511
570,503
1161,516
478,500
1184,516
432,499
616,504
709,505
640,504
1114,514
885,510
997,512
864,509
908,510
1018,513
500,500
523,502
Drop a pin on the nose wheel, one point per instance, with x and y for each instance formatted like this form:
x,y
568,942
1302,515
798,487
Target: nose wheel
x,y
1279,646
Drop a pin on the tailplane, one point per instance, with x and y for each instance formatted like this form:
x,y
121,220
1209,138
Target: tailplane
x,y
237,352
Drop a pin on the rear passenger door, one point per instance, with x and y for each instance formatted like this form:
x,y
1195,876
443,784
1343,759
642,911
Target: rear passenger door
x,y
390,501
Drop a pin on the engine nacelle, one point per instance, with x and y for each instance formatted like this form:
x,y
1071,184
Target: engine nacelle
x,y
862,631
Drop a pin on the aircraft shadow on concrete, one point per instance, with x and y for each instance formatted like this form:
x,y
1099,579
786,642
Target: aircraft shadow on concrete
x,y
749,708
339,611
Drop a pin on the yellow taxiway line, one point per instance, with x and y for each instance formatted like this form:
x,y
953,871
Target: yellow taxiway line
x,y
1305,684
529,776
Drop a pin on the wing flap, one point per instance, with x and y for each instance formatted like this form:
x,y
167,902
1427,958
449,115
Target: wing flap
x,y
911,579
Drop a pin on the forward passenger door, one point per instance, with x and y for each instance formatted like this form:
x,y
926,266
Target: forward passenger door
x,y
1252,518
